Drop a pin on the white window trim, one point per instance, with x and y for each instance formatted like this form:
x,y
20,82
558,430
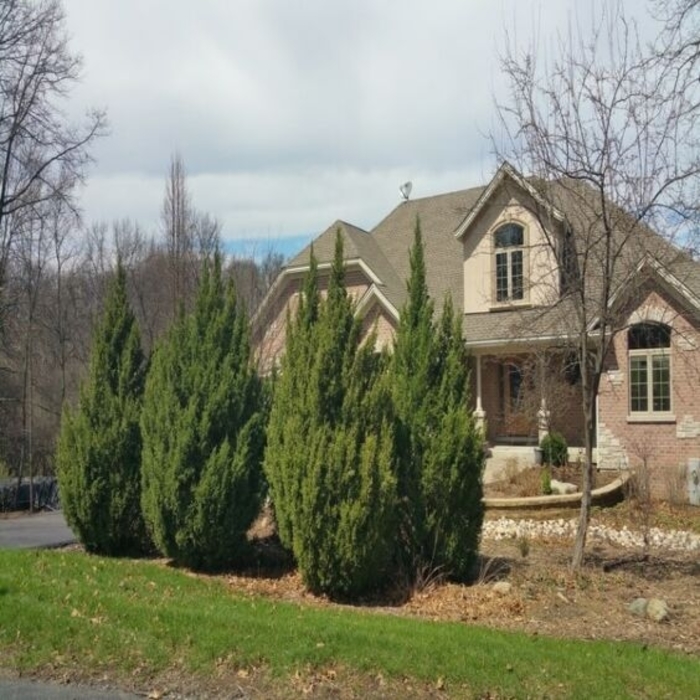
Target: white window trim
x,y
650,416
524,248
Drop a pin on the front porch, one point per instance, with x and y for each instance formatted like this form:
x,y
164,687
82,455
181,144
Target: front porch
x,y
520,397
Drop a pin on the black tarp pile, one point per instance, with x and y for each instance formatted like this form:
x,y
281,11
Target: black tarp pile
x,y
14,496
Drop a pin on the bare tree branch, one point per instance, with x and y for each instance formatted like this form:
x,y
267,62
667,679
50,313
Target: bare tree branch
x,y
42,155
609,132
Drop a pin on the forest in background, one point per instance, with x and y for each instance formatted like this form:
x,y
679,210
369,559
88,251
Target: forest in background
x,y
56,275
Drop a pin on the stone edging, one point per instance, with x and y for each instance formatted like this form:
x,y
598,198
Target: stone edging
x,y
610,493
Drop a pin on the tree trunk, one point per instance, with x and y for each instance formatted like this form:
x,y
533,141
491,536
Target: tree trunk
x,y
588,400
585,512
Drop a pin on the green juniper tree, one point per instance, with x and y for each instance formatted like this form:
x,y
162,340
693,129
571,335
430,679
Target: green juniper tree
x,y
344,539
453,460
414,378
330,460
99,448
439,448
203,432
291,412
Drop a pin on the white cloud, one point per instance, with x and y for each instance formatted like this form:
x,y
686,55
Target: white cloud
x,y
290,115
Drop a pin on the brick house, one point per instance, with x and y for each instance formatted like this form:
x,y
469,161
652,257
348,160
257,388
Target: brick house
x,y
511,253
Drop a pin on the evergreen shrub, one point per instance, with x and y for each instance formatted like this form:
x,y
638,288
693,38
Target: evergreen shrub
x,y
439,446
203,432
330,452
99,445
555,450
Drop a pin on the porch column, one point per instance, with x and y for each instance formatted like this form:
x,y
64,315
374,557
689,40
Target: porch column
x,y
542,420
543,415
479,412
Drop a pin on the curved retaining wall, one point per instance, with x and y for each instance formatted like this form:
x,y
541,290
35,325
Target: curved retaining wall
x,y
606,495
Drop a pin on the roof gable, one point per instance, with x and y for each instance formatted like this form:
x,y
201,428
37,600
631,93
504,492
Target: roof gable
x,y
504,173
666,277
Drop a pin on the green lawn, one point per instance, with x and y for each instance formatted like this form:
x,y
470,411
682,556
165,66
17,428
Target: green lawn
x,y
66,609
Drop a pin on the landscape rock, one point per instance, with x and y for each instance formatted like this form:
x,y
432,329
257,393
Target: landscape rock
x,y
561,488
638,607
668,540
657,610
502,587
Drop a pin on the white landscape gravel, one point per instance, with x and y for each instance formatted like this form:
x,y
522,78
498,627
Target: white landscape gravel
x,y
669,540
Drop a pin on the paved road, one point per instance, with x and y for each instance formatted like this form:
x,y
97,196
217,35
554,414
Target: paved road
x,y
37,530
31,690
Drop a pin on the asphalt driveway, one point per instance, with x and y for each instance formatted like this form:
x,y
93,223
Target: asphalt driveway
x,y
32,690
35,531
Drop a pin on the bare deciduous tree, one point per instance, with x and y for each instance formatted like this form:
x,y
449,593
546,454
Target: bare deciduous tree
x,y
611,139
189,234
679,43
253,279
42,155
31,256
177,226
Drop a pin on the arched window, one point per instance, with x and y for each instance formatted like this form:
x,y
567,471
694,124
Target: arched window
x,y
650,368
509,251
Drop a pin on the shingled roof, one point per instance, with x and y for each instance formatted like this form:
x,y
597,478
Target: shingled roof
x,y
444,219
385,248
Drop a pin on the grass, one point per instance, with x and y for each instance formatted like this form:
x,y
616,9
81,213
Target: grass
x,y
67,610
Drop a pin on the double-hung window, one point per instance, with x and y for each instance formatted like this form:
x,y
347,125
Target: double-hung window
x,y
509,251
649,369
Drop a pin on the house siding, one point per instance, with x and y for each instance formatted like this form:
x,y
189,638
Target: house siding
x,y
664,446
271,335
541,274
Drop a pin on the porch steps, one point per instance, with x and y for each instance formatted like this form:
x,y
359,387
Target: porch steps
x,y
505,458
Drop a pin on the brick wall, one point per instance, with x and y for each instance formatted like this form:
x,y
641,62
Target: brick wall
x,y
269,336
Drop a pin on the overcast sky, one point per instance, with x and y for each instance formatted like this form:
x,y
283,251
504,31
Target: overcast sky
x,y
290,115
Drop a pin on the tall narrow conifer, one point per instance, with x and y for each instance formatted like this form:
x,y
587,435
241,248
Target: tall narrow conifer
x,y
292,414
203,432
439,448
99,449
454,457
330,458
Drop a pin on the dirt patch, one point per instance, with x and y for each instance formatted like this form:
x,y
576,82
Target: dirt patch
x,y
545,597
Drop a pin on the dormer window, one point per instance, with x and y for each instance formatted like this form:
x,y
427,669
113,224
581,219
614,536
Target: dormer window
x,y
509,249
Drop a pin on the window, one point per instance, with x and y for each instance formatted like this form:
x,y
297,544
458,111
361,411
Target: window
x,y
509,241
650,368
